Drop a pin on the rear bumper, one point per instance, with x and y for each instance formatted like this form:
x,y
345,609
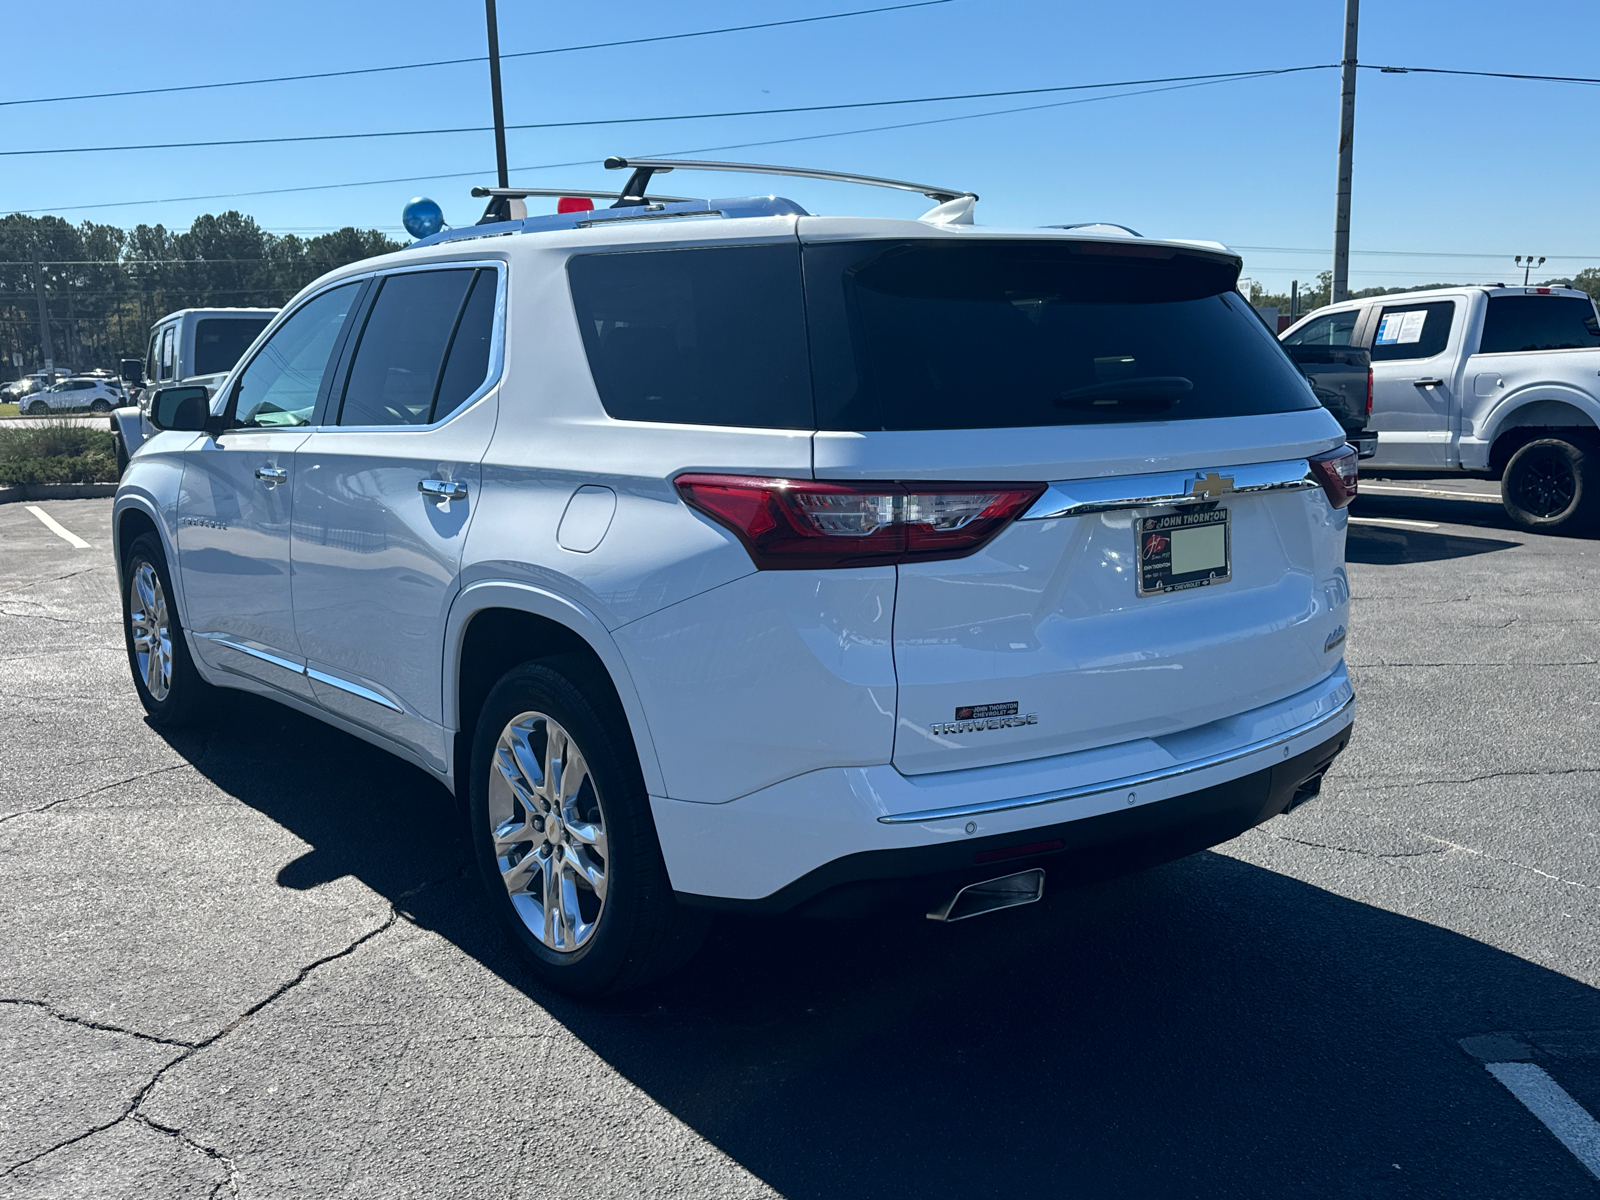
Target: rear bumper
x,y
1149,800
916,879
1365,442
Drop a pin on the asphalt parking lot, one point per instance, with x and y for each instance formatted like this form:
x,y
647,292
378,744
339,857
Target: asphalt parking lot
x,y
252,961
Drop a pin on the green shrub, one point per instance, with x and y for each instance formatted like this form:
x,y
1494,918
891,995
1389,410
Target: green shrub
x,y
57,452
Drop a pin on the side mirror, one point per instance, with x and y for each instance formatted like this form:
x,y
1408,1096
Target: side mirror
x,y
133,371
183,408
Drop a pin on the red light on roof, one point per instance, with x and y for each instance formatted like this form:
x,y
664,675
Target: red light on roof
x,y
574,204
1544,291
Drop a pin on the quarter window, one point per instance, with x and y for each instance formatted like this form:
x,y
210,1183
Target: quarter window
x,y
424,349
708,336
1335,329
166,353
280,385
1412,330
1539,323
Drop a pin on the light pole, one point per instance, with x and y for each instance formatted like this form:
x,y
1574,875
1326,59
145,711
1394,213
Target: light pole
x,y
1347,143
494,90
1527,264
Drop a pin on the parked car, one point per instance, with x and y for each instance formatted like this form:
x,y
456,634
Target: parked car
x,y
73,395
983,554
13,392
1339,373
191,346
1502,382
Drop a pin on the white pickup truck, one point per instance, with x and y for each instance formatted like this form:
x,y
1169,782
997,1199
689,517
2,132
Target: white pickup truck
x,y
190,346
1487,380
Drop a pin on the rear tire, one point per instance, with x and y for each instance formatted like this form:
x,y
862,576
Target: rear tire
x,y
1551,485
169,686
562,831
100,407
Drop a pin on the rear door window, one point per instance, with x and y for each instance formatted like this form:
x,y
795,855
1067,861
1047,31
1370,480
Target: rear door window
x,y
219,342
1335,329
1413,330
705,336
399,362
1516,323
995,334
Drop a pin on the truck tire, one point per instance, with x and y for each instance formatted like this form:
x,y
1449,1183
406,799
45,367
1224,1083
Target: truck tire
x,y
1551,485
121,448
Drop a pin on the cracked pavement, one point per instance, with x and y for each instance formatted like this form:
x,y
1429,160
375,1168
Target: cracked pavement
x,y
252,962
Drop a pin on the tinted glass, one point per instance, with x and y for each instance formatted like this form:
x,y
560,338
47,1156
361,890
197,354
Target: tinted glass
x,y
997,334
150,371
219,342
1539,323
712,336
280,385
1412,330
1335,329
396,368
166,353
467,363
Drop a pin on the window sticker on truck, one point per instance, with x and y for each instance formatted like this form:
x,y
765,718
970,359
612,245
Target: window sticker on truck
x,y
1401,329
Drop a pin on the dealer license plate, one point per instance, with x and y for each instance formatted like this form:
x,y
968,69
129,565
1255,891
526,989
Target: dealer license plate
x,y
1183,550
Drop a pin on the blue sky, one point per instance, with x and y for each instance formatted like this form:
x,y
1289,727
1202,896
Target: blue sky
x,y
1445,167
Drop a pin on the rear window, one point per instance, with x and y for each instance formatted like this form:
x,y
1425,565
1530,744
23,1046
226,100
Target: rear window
x,y
1539,323
219,342
702,336
997,334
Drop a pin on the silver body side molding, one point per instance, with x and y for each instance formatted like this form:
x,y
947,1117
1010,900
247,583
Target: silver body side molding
x,y
1127,781
1079,497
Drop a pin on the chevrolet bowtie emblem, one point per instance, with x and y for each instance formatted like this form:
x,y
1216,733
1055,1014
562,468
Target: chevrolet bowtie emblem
x,y
1211,484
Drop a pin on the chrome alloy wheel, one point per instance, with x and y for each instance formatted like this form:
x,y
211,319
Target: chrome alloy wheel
x,y
548,830
152,630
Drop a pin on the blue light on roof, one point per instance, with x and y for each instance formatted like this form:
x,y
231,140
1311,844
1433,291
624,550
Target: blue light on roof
x,y
422,218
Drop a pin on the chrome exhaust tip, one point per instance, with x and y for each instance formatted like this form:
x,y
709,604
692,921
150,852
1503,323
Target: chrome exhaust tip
x,y
1007,891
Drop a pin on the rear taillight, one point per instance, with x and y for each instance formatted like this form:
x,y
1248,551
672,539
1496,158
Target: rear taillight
x,y
800,524
1336,472
1369,391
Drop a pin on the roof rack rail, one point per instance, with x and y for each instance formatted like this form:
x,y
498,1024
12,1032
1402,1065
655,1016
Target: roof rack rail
x,y
501,207
644,168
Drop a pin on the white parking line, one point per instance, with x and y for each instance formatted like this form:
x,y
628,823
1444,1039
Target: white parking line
x,y
1387,489
57,528
1561,1114
1394,521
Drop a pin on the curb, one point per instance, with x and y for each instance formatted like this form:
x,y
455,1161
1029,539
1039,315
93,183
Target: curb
x,y
57,491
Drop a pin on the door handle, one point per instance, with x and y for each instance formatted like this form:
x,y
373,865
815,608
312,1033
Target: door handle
x,y
271,476
442,489
1427,383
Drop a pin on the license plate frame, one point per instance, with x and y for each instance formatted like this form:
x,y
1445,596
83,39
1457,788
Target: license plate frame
x,y
1156,539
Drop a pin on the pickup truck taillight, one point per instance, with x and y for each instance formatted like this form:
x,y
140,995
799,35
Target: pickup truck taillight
x,y
1336,472
802,524
1369,391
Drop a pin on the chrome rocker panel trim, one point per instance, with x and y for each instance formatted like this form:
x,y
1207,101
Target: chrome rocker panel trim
x,y
1079,497
294,668
1127,781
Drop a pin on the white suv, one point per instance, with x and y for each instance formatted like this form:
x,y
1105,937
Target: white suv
x,y
719,556
72,395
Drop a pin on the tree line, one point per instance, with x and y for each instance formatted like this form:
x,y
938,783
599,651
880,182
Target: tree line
x,y
106,286
1315,296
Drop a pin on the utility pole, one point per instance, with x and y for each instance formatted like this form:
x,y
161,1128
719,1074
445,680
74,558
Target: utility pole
x,y
44,317
1347,144
494,89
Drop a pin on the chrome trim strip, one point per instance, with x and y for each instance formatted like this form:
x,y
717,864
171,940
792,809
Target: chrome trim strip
x,y
355,689
1078,497
222,639
1095,789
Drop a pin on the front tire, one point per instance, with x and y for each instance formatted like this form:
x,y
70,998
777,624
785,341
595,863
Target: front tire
x,y
169,686
38,409
1551,485
565,843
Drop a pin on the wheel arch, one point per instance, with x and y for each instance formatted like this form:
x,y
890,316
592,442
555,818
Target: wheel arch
x,y
496,625
1536,417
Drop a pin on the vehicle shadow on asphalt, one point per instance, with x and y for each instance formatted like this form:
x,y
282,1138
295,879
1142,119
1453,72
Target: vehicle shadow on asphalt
x,y
1207,1028
1380,545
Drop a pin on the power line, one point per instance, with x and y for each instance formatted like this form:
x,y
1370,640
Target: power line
x,y
589,162
451,62
747,112
1480,74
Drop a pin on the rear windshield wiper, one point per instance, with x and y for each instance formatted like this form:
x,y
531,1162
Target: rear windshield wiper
x,y
1152,394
